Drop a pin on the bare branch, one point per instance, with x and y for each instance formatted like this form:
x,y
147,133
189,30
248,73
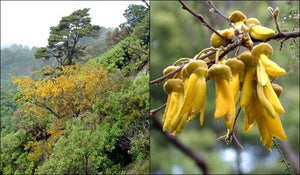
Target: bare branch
x,y
42,105
160,79
216,10
199,159
233,132
201,19
154,111
274,13
284,35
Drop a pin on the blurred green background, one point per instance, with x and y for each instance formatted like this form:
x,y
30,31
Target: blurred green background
x,y
174,34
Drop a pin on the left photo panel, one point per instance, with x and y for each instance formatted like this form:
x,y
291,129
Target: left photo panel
x,y
75,87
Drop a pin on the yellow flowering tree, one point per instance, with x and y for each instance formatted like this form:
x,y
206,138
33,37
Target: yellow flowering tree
x,y
67,92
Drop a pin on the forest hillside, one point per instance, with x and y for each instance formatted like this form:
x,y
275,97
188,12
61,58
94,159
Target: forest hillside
x,y
87,117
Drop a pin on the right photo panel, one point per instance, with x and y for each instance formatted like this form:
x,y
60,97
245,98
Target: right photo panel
x,y
224,87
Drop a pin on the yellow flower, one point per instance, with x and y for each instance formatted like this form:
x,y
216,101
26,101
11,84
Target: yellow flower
x,y
248,89
257,31
216,41
195,90
267,126
225,105
266,94
237,68
175,90
238,18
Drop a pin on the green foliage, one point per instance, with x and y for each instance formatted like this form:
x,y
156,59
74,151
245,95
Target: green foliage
x,y
64,38
81,149
131,54
13,156
134,14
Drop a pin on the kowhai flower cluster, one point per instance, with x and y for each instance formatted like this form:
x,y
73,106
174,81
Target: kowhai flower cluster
x,y
248,77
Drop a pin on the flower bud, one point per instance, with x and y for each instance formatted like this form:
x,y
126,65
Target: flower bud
x,y
277,89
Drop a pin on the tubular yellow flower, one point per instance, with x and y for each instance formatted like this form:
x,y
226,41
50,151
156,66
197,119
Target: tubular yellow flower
x,y
262,76
268,127
261,33
266,94
257,31
166,71
237,68
183,118
195,93
252,22
225,105
271,68
265,102
272,98
259,52
216,41
249,113
175,90
238,18
248,89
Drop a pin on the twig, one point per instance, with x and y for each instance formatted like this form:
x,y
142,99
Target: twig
x,y
160,79
201,19
226,50
237,141
199,159
216,10
232,133
274,13
154,111
282,35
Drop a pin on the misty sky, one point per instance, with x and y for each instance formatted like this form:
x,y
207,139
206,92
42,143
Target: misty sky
x,y
28,22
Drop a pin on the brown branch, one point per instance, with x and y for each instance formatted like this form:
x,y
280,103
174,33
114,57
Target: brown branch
x,y
201,19
42,105
160,79
216,10
285,35
234,122
274,13
282,35
226,50
199,159
154,111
